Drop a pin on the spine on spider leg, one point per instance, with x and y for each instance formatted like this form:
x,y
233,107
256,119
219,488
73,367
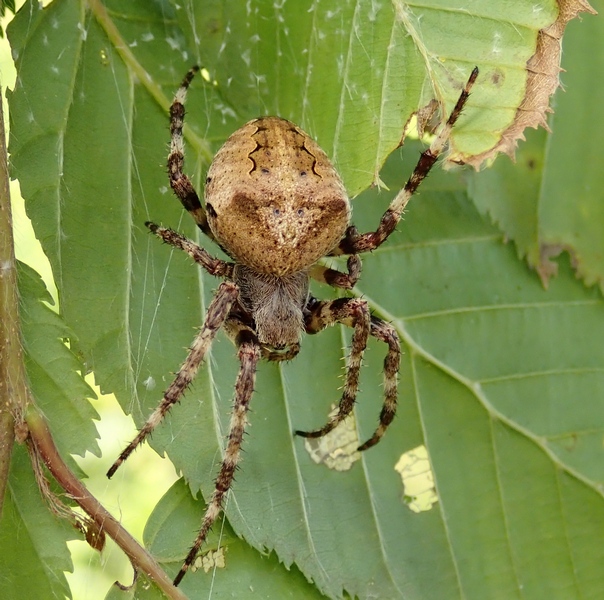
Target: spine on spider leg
x,y
249,355
217,314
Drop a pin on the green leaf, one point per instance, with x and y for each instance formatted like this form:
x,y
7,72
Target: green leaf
x,y
249,574
33,549
571,208
501,380
54,371
33,552
545,202
349,71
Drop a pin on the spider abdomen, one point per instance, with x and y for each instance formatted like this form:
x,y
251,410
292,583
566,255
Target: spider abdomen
x,y
275,202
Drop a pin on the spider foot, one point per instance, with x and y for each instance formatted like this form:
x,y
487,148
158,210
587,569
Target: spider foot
x,y
308,434
317,433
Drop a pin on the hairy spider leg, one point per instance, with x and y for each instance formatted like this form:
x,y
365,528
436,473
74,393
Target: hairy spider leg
x,y
386,333
354,312
180,183
217,313
214,266
336,278
249,355
353,242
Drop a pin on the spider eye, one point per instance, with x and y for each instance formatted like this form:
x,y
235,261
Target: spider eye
x,y
210,210
300,212
276,212
302,173
208,179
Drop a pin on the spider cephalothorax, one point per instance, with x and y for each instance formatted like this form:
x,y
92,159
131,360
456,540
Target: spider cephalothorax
x,y
276,205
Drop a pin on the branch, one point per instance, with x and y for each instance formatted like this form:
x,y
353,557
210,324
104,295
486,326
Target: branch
x,y
140,558
12,374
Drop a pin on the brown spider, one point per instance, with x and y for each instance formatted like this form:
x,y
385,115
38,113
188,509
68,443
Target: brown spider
x,y
276,205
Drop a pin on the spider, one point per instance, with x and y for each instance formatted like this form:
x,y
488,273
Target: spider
x,y
276,205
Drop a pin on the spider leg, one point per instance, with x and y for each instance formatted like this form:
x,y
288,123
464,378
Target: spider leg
x,y
353,312
249,355
218,311
386,333
353,242
336,278
180,183
347,311
214,266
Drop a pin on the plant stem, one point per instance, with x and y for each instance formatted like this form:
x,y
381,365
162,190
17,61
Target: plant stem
x,y
140,558
13,389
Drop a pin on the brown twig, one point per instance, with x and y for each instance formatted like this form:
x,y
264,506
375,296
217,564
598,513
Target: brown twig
x,y
140,558
12,393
